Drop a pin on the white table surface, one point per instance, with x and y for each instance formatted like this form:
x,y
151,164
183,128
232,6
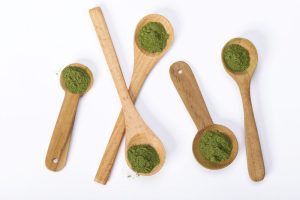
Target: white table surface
x,y
39,38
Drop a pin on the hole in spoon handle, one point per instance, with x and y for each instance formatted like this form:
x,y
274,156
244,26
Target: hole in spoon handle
x,y
60,141
189,91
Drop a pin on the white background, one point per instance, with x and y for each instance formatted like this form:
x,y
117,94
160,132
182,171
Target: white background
x,y
39,38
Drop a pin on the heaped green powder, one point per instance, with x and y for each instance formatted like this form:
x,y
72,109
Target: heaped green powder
x,y
236,57
153,37
76,79
215,146
143,158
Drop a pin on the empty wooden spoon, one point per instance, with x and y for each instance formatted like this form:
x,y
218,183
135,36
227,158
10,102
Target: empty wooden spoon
x,y
143,64
137,132
59,145
189,91
255,160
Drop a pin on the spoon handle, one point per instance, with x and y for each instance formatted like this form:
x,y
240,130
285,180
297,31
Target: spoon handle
x,y
59,145
255,160
114,143
189,91
133,120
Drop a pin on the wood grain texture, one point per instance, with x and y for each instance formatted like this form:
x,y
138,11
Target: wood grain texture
x,y
189,91
59,144
143,64
255,160
58,149
137,132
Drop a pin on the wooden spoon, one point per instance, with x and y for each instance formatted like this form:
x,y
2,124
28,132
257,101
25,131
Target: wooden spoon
x,y
137,132
143,64
59,145
255,160
189,91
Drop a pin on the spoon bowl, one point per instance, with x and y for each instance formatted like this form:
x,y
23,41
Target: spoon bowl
x,y
248,73
86,69
206,163
152,140
153,18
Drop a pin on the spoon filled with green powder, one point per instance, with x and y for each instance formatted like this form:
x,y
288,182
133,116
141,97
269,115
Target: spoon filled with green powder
x,y
152,37
145,153
76,79
144,62
239,58
214,146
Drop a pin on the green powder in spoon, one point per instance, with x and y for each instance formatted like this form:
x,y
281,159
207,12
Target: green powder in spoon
x,y
215,146
75,79
153,37
143,158
236,57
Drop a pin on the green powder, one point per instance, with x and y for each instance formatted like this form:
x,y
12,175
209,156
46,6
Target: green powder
x,y
215,146
236,57
76,79
153,37
143,158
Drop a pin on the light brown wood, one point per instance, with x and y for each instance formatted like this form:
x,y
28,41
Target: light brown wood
x,y
137,132
189,91
143,64
57,154
255,160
